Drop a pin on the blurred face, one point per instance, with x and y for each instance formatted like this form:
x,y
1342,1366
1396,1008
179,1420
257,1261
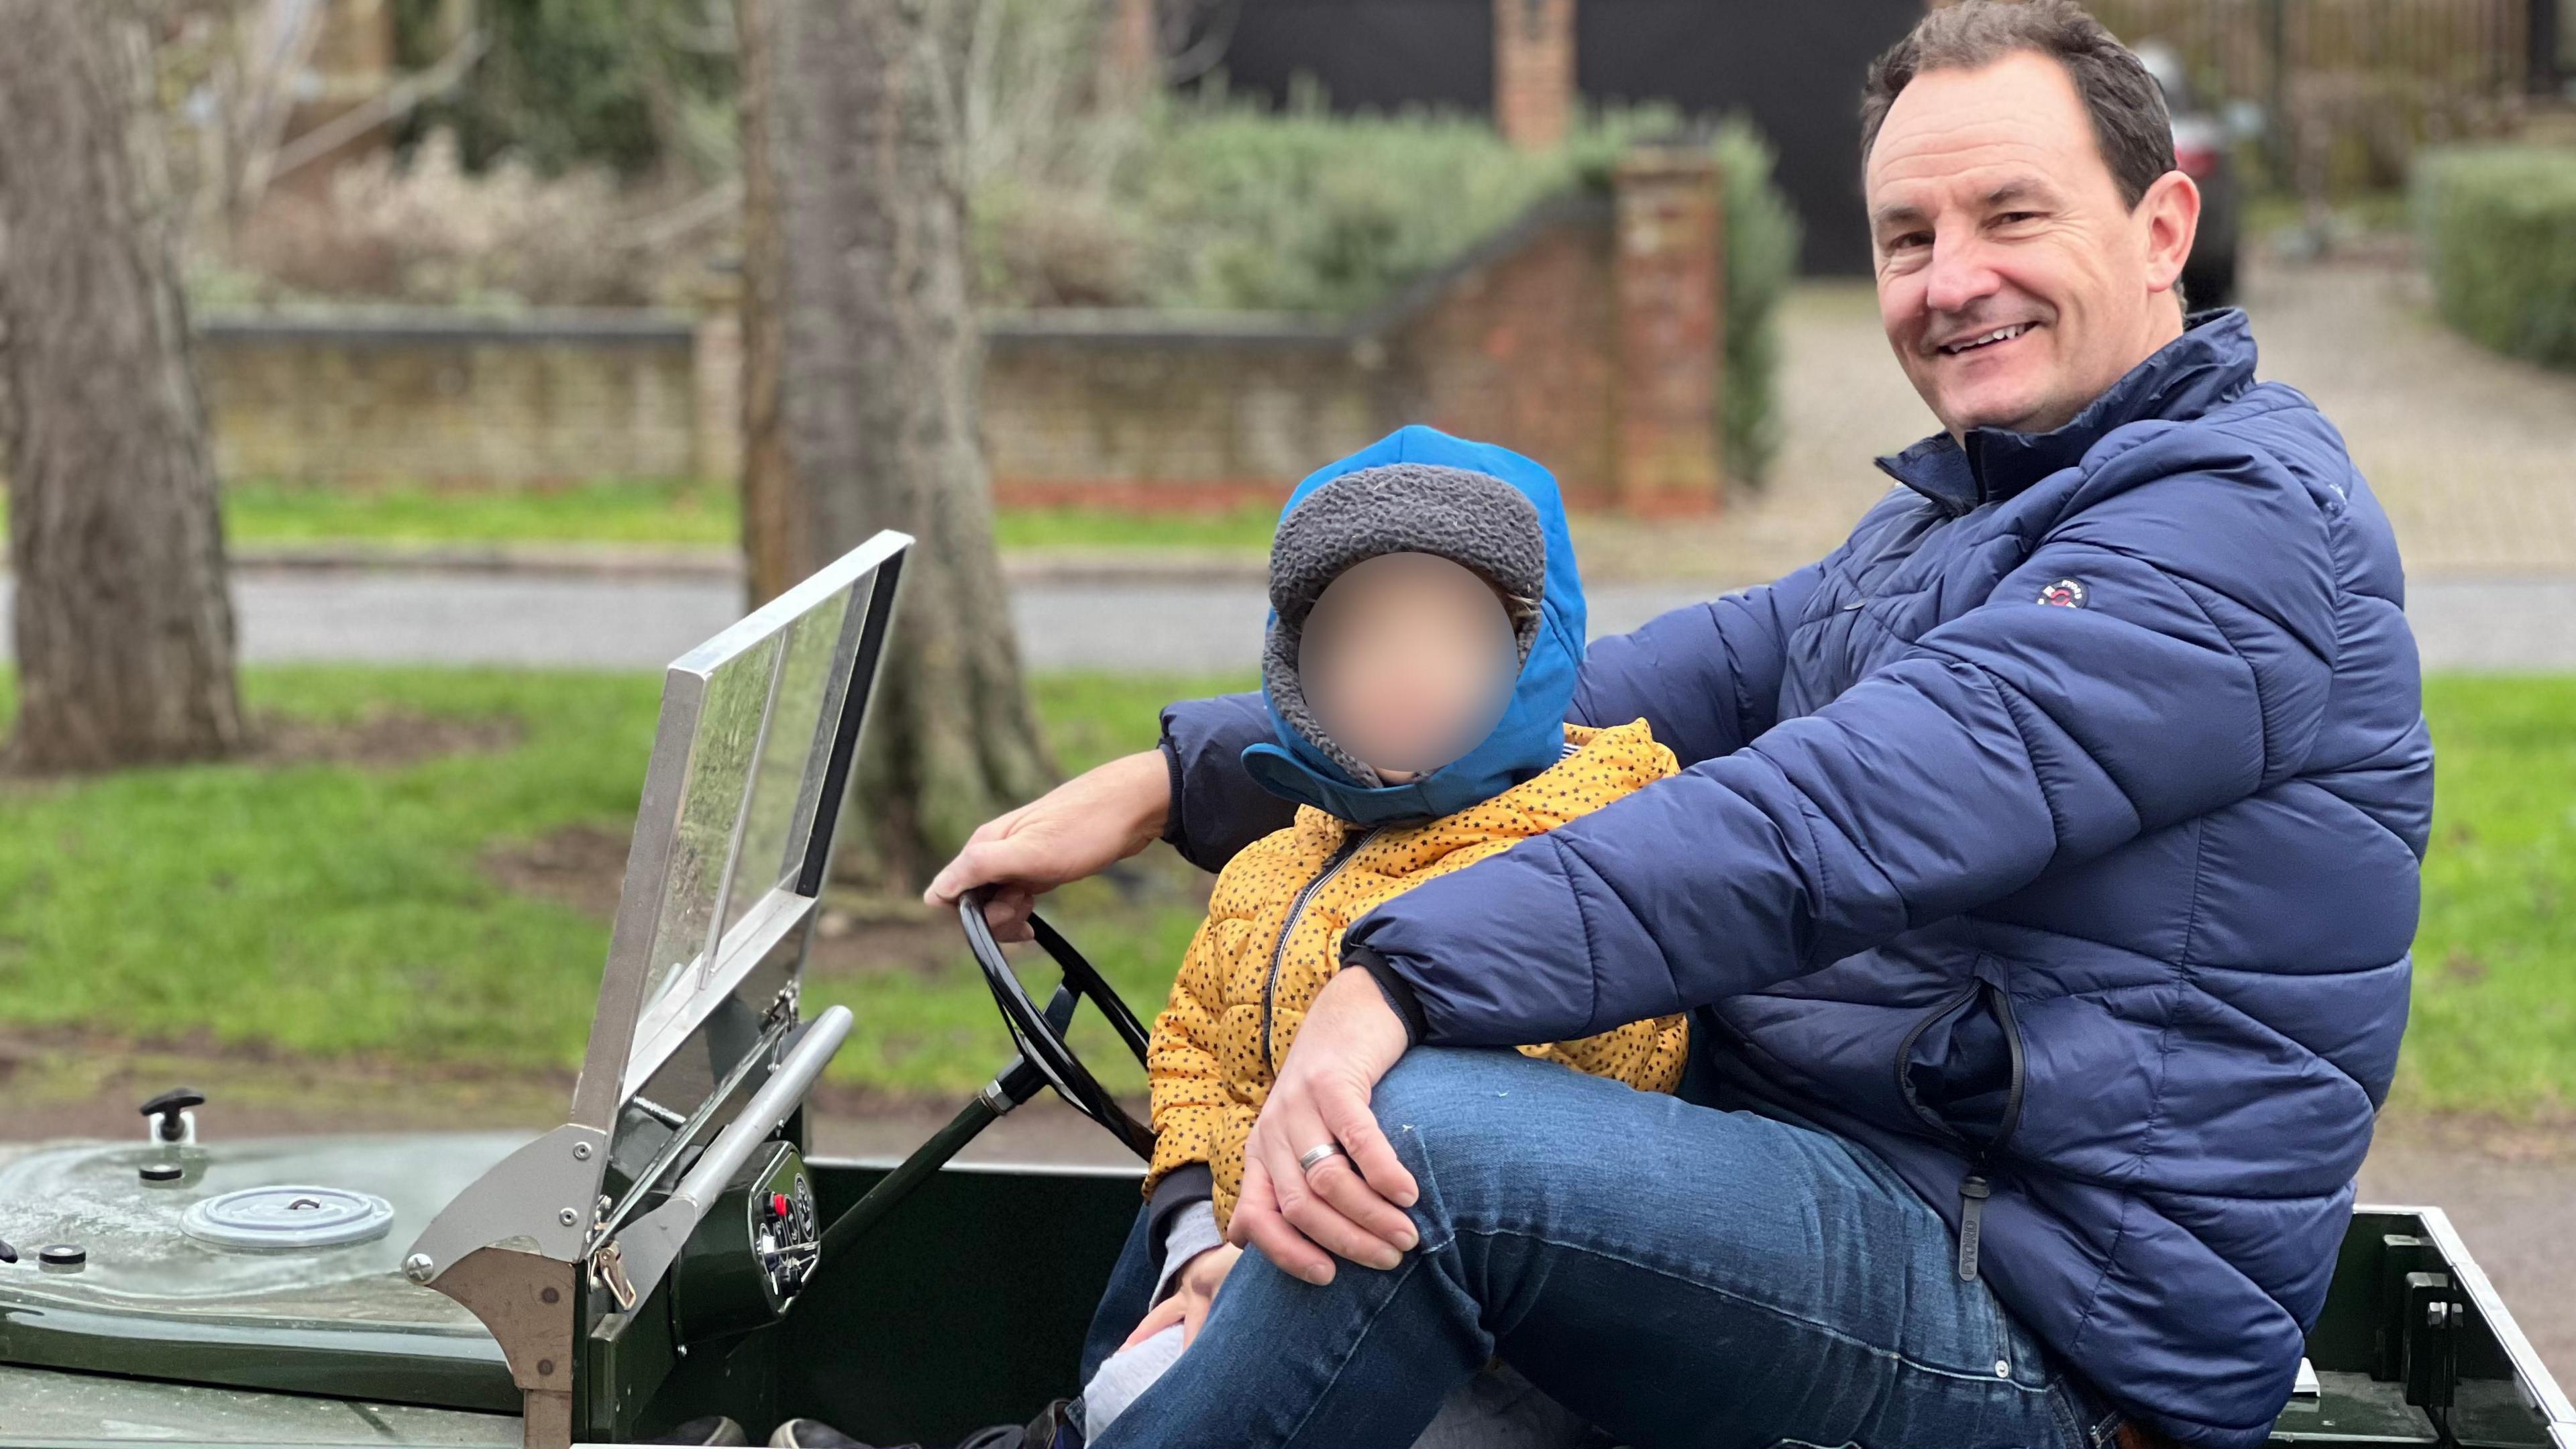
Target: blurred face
x,y
1408,661
2014,283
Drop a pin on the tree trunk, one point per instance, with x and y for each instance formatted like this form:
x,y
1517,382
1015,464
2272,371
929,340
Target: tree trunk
x,y
124,630
861,364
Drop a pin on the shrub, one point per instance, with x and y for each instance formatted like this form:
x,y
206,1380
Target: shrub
x,y
635,86
2499,230
1762,236
1301,211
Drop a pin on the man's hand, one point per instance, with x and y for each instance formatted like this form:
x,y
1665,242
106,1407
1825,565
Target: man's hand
x,y
1079,828
1193,1294
1352,1203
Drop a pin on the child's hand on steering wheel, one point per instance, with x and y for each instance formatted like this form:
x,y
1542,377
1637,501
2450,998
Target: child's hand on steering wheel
x,y
1193,1294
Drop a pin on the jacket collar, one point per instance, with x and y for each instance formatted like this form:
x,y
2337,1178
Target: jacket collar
x,y
1600,763
2209,365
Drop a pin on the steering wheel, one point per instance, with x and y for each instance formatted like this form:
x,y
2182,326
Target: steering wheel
x,y
1040,1035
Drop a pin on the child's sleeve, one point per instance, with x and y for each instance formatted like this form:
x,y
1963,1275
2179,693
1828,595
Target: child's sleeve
x,y
1647,1055
1189,1098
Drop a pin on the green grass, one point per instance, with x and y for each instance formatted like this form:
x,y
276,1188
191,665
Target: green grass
x,y
671,511
2494,1026
321,908
335,910
662,511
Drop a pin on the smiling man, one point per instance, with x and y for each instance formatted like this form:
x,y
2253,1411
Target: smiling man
x,y
2042,881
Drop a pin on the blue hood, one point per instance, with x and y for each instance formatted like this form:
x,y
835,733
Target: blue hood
x,y
1531,736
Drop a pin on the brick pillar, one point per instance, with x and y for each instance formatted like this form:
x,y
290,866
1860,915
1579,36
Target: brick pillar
x,y
1131,50
1533,71
715,379
1670,284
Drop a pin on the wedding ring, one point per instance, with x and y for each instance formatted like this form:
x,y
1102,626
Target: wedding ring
x,y
1307,1159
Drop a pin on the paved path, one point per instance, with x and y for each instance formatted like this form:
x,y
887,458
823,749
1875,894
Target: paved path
x,y
1201,627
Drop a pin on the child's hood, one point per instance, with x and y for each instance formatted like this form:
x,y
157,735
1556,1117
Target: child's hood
x,y
1531,734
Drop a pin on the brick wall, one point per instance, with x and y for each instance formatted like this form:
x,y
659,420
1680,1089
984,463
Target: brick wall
x,y
1160,412
1518,348
436,397
1586,335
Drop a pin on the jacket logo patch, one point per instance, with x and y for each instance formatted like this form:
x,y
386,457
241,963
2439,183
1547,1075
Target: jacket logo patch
x,y
2064,594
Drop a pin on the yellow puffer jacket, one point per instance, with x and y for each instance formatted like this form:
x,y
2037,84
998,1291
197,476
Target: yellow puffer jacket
x,y
1242,990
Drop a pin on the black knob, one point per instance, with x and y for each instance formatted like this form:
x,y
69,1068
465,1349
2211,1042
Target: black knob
x,y
62,1255
168,1106
162,1172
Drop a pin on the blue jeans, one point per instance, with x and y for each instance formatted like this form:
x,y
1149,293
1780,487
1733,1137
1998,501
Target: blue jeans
x,y
1677,1274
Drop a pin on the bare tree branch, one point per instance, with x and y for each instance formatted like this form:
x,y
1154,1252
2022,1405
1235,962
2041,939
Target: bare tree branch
x,y
388,105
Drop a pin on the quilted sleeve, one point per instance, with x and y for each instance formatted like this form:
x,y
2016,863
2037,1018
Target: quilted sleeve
x,y
1705,676
2191,670
1217,809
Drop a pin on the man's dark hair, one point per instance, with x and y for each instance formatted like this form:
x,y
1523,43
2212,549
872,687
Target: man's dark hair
x,y
2130,121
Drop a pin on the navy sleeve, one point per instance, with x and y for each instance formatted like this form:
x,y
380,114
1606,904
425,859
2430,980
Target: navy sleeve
x,y
1216,808
1704,677
2013,738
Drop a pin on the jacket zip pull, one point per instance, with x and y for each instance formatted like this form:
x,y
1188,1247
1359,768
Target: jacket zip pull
x,y
1973,1193
1352,840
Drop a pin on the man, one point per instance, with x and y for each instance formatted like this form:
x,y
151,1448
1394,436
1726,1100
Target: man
x,y
2042,879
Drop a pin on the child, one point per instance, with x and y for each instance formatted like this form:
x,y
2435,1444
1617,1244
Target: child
x,y
1427,628
1426,631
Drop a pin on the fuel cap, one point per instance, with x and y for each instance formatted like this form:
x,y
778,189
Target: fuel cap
x,y
287,1218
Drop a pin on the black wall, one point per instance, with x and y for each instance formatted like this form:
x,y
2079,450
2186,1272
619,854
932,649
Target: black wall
x,y
1371,55
1793,66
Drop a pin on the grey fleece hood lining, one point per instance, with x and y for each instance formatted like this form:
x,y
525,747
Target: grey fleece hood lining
x,y
1472,519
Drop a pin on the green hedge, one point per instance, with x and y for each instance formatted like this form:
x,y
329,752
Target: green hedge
x,y
2499,231
1762,237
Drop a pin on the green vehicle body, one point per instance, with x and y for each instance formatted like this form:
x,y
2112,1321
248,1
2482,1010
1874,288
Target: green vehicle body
x,y
661,1256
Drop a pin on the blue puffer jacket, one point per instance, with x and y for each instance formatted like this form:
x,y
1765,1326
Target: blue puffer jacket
x,y
2059,832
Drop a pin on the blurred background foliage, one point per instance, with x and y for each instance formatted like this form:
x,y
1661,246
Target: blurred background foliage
x,y
588,157
2498,226
640,87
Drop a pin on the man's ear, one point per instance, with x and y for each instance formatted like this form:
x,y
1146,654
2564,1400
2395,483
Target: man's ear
x,y
2171,212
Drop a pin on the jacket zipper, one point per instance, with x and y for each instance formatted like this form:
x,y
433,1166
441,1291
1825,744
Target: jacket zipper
x,y
1333,864
1974,1189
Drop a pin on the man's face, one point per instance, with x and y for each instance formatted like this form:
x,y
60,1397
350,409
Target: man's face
x,y
2014,282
